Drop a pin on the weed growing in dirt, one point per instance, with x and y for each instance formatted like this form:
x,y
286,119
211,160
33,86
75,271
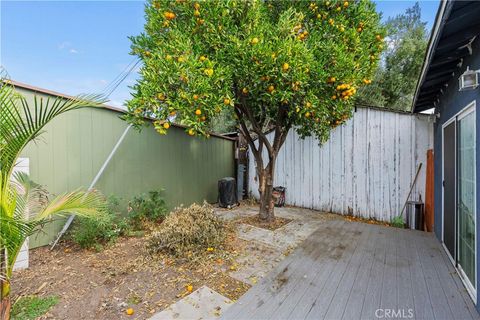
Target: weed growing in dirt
x,y
146,208
187,232
32,307
100,230
398,222
104,229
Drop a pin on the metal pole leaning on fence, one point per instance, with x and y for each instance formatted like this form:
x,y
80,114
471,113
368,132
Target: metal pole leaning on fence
x,y
94,182
411,188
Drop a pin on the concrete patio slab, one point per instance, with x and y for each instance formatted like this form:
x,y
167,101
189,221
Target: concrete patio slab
x,y
259,261
204,303
266,248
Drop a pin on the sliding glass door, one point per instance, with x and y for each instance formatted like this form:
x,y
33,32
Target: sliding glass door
x,y
459,194
466,204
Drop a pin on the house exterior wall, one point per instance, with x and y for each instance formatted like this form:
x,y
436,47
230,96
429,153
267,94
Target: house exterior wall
x,y
75,145
451,103
366,168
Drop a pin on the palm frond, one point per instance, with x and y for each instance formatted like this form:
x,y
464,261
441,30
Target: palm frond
x,y
78,202
24,205
21,123
14,231
33,196
16,226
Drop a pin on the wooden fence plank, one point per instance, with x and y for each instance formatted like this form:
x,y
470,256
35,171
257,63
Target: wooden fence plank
x,y
365,168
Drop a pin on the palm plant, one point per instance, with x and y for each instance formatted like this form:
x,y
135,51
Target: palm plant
x,y
24,207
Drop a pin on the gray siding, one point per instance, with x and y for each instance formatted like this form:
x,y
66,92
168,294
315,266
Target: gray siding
x,y
452,102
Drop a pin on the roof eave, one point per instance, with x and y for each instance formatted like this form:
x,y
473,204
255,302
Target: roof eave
x,y
443,10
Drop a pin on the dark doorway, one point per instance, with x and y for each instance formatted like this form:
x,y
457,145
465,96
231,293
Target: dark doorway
x,y
449,182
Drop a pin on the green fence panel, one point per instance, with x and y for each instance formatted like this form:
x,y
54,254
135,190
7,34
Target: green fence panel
x,y
75,145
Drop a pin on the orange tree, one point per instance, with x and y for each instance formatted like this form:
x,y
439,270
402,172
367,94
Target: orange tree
x,y
277,65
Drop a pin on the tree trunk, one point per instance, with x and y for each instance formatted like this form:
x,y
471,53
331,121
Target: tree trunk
x,y
265,190
5,303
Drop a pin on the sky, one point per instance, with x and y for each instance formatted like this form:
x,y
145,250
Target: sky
x,y
82,46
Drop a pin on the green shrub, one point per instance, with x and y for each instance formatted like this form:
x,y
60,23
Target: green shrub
x,y
398,222
187,231
99,230
32,307
149,207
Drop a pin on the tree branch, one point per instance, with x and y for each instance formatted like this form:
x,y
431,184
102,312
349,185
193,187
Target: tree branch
x,y
280,134
245,131
255,126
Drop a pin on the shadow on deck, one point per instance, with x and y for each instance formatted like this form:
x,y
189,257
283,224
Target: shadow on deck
x,y
352,270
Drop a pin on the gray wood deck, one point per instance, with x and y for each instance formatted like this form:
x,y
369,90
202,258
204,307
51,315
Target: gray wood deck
x,y
349,270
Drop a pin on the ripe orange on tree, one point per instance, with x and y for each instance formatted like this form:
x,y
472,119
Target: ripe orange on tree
x,y
169,15
244,44
209,72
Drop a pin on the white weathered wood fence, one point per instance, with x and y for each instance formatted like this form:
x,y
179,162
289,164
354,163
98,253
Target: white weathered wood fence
x,y
365,168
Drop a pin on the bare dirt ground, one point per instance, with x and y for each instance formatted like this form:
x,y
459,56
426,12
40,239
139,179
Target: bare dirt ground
x,y
274,225
102,285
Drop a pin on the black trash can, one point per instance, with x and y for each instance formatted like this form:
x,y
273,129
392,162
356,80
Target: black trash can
x,y
415,215
227,192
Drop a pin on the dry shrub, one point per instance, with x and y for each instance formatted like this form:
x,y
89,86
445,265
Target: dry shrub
x,y
187,231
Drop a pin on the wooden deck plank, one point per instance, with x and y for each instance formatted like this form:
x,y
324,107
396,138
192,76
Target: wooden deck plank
x,y
441,309
353,269
421,299
389,281
256,296
323,300
340,299
460,287
284,285
308,300
374,289
353,309
247,301
454,297
404,259
306,284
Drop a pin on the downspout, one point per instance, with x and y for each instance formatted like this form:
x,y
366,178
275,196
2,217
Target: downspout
x,y
94,182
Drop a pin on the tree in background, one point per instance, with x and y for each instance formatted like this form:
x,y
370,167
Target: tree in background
x,y
395,80
279,65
